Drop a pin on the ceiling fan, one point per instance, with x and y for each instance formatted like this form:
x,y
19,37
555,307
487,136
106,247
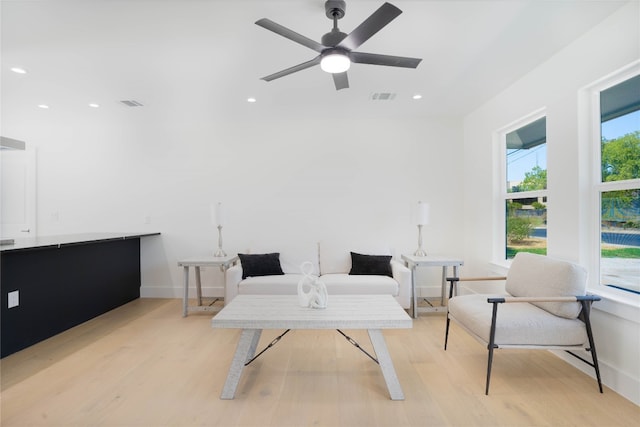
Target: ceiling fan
x,y
337,49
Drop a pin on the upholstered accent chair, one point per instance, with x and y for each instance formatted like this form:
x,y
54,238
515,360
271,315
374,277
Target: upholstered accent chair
x,y
545,307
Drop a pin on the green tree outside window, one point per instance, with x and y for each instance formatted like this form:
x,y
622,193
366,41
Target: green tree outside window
x,y
536,179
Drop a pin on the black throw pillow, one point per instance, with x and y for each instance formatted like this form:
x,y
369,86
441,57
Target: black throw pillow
x,y
378,265
260,265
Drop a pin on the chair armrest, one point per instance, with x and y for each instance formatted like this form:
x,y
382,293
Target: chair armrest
x,y
454,280
576,298
475,279
233,276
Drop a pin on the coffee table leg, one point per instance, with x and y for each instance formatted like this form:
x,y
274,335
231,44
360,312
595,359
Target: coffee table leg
x,y
244,352
386,365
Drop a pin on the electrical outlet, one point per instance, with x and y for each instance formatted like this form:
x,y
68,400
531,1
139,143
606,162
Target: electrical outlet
x,y
14,299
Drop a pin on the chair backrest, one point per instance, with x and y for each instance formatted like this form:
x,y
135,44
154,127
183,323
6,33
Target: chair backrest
x,y
533,275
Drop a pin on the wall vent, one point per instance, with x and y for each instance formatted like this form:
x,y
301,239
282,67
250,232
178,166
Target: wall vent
x,y
131,103
383,96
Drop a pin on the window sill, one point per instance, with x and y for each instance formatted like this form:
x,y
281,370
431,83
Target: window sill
x,y
500,267
618,303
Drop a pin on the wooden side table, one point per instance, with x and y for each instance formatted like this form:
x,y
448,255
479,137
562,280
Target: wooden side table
x,y
222,262
414,262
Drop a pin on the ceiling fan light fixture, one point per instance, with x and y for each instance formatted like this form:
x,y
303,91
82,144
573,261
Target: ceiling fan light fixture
x,y
335,62
337,49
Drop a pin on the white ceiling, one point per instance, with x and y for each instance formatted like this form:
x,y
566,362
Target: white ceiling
x,y
208,56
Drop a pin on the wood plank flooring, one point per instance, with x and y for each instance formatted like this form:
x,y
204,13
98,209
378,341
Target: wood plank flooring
x,y
145,365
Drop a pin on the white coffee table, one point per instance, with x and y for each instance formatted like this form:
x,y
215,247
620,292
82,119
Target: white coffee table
x,y
253,313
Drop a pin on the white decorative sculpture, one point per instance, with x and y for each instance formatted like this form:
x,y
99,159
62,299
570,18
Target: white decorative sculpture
x,y
317,296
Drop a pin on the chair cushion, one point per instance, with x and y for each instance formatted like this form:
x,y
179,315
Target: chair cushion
x,y
517,324
345,284
537,275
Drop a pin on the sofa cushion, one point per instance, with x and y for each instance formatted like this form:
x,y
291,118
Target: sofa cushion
x,y
345,284
337,284
270,285
260,265
533,275
535,327
292,256
370,265
335,258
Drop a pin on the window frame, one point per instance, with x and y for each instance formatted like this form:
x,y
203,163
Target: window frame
x,y
499,252
598,187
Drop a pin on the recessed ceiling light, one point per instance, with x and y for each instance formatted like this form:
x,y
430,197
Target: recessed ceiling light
x,y
251,99
43,106
417,96
19,70
94,105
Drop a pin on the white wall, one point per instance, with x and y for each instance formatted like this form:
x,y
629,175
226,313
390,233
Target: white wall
x,y
284,181
280,182
555,85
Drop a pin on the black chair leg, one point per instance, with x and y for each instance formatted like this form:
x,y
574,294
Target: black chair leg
x,y
452,281
446,334
490,361
587,321
492,345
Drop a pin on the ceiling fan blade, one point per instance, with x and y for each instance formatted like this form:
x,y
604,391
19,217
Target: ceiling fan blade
x,y
341,80
290,34
392,61
374,23
299,67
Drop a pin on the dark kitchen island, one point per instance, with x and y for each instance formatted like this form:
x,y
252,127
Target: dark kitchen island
x,y
59,282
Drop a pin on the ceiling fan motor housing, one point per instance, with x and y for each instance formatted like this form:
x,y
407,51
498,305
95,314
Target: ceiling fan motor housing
x,y
335,9
338,50
333,37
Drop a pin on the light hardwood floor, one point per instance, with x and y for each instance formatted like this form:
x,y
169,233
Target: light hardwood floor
x,y
144,365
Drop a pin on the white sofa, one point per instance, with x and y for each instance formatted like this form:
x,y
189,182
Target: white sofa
x,y
332,263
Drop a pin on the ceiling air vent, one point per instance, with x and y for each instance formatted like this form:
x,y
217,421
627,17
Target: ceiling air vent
x,y
383,96
131,103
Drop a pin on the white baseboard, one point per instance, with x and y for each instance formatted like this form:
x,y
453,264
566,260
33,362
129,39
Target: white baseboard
x,y
618,381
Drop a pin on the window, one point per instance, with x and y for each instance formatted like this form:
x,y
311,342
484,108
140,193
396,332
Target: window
x,y
618,186
525,187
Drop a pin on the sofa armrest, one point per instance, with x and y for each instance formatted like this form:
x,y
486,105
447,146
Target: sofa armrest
x,y
233,277
402,275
